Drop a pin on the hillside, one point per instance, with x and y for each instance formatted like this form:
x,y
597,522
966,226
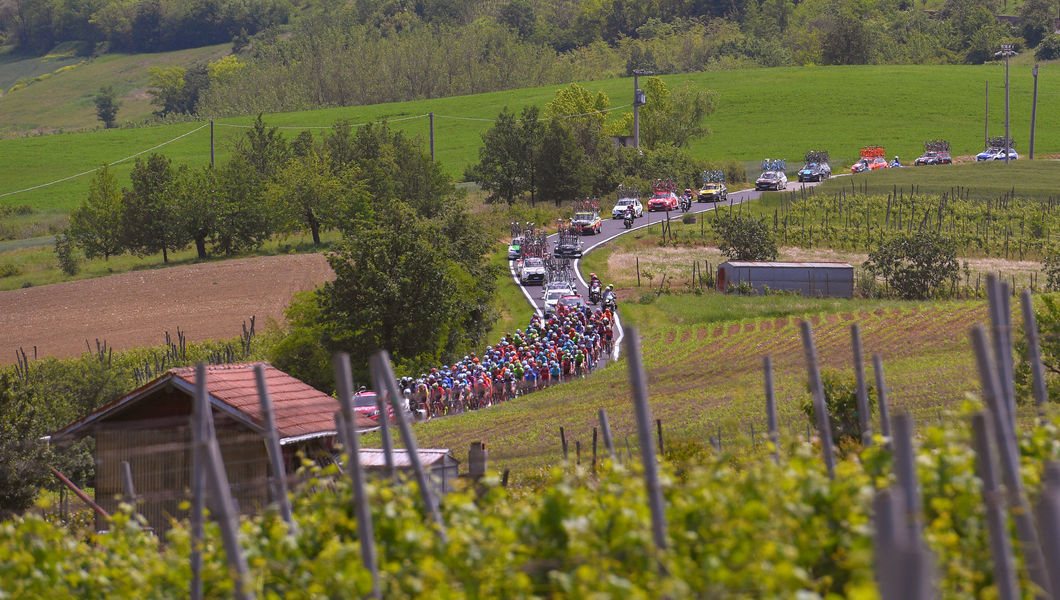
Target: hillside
x,y
50,100
708,377
761,113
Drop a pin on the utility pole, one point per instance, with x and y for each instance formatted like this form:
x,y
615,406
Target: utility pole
x,y
1034,108
1006,51
986,119
638,101
211,143
431,115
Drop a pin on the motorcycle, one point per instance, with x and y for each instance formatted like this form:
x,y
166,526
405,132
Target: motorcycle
x,y
594,292
628,220
610,302
686,203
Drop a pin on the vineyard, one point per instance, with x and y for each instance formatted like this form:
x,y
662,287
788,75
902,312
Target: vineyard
x,y
1008,226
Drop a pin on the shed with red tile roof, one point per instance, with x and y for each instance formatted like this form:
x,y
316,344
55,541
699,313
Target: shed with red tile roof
x,y
150,428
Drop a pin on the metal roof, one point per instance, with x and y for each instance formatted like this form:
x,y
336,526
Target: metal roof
x,y
301,411
816,265
373,457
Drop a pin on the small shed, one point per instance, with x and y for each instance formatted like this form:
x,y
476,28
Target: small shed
x,y
150,428
443,468
814,279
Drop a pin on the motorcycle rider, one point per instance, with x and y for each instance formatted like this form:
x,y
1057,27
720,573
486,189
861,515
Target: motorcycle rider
x,y
896,163
594,288
609,296
630,215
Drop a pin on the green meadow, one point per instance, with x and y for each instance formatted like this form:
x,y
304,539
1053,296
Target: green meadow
x,y
775,113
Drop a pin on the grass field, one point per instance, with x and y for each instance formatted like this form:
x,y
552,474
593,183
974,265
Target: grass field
x,y
986,180
62,101
705,376
761,113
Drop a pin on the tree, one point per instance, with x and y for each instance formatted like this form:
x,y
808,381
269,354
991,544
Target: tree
x,y
560,163
196,205
1037,20
148,216
841,400
672,117
915,265
263,149
166,88
398,287
95,225
106,100
305,194
744,238
503,170
244,221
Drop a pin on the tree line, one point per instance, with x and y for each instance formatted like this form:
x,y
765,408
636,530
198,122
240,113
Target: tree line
x,y
412,274
549,155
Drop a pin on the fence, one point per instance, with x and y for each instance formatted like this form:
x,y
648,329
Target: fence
x,y
904,565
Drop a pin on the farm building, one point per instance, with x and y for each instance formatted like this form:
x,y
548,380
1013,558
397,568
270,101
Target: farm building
x,y
150,428
442,467
814,279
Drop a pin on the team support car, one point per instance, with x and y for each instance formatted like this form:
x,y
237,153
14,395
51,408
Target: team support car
x,y
712,192
566,287
815,172
568,248
771,180
663,200
869,163
587,222
571,302
996,154
532,271
553,297
928,158
515,249
364,403
619,211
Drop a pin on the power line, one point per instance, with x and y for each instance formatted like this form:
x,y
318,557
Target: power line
x,y
130,157
294,127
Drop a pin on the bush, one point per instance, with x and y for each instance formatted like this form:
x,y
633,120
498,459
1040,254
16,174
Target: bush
x,y
915,265
9,270
744,238
66,253
841,399
1049,49
688,218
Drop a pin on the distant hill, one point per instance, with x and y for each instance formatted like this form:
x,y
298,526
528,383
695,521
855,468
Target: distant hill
x,y
54,92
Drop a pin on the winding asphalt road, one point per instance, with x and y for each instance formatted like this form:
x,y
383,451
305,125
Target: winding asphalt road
x,y
613,228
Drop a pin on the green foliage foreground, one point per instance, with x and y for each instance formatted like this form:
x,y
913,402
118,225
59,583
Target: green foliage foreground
x,y
747,529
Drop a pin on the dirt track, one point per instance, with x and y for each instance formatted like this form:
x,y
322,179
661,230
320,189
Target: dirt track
x,y
206,301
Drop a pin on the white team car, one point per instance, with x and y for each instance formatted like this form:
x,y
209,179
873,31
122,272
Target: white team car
x,y
619,210
532,271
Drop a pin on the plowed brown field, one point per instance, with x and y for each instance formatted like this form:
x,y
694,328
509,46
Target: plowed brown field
x,y
206,301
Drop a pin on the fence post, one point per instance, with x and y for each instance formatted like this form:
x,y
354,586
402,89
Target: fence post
x,y
217,480
881,396
823,425
864,412
563,442
1049,520
198,488
658,429
771,407
272,444
605,429
382,370
905,473
1000,548
1008,453
1034,353
594,449
638,379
